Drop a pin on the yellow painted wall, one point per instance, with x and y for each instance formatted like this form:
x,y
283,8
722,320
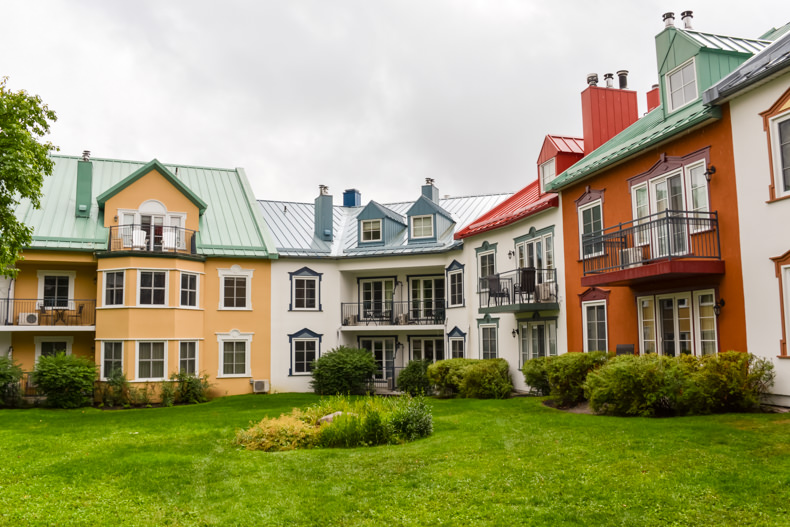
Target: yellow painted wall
x,y
25,347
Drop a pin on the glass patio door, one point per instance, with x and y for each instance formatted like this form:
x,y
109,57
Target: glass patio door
x,y
427,298
383,351
152,225
670,235
377,298
674,317
538,339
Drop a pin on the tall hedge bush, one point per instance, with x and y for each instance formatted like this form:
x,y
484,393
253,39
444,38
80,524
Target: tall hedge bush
x,y
535,375
474,378
343,371
66,380
414,378
567,372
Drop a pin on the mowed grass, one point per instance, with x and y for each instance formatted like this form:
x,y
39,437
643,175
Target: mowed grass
x,y
512,462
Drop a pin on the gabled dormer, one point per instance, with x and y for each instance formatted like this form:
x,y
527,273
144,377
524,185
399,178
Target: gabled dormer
x,y
378,225
427,220
557,153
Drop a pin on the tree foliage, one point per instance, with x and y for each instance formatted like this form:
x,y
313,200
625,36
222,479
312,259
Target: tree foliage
x,y
24,161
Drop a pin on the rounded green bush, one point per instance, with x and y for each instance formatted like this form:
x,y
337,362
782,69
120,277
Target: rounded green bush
x,y
66,380
487,379
446,375
567,373
343,371
10,375
414,378
535,375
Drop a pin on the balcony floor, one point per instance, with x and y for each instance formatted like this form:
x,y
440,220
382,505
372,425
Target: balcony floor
x,y
47,328
656,271
521,308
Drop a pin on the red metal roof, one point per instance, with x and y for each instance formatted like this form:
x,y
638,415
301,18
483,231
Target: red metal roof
x,y
524,203
574,145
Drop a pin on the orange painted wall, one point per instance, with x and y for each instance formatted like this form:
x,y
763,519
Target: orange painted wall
x,y
621,308
25,345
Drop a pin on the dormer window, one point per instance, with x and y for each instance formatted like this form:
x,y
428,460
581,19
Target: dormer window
x,y
371,230
421,227
548,172
681,86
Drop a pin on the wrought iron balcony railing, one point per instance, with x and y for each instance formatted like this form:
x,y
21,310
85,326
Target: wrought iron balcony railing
x,y
392,313
526,285
152,238
47,312
668,235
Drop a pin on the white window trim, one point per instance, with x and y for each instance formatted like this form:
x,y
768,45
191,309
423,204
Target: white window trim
x,y
776,154
104,289
681,295
167,289
546,242
123,351
669,91
137,361
697,329
234,335
38,340
451,340
313,279
459,272
293,356
551,162
593,303
693,228
197,355
235,271
362,230
482,286
197,290
72,278
411,225
641,237
640,321
580,213
496,339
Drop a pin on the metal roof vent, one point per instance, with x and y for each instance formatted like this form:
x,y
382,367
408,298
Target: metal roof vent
x,y
592,79
669,19
609,78
86,155
686,17
323,189
622,75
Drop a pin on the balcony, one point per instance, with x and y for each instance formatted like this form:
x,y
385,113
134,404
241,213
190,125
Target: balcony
x,y
520,290
47,313
152,239
667,245
391,313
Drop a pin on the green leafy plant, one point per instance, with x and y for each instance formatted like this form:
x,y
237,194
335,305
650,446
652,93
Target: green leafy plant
x,y
343,371
567,373
66,380
10,375
446,375
412,418
414,378
115,390
190,388
167,393
486,379
536,376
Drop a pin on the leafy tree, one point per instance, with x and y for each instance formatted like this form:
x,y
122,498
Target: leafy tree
x,y
24,161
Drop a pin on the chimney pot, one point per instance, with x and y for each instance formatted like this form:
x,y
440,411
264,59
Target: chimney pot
x,y
609,78
669,19
686,17
622,75
592,79
86,155
323,190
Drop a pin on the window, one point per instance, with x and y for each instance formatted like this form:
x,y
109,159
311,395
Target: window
x,y
159,229
305,352
538,252
641,210
304,293
594,324
49,346
56,288
487,268
647,323
590,229
234,354
456,348
383,350
235,288
681,86
152,288
777,124
189,290
456,288
112,358
188,358
678,324
698,192
113,288
488,342
377,297
371,230
427,299
705,319
548,172
431,349
422,226
538,339
151,360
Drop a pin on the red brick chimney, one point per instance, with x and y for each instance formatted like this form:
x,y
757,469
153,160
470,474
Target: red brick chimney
x,y
606,111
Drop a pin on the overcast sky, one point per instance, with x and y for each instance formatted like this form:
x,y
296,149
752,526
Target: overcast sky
x,y
368,94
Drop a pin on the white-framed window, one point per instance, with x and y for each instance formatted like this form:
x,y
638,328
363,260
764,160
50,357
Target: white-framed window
x,y
538,252
427,348
56,288
456,348
422,226
113,288
189,289
188,357
548,172
158,228
647,324
305,352
590,229
681,85
151,360
678,323
456,279
594,325
705,319
49,346
780,153
234,354
538,339
152,288
371,230
305,293
488,342
640,205
112,358
235,288
427,299
698,197
487,267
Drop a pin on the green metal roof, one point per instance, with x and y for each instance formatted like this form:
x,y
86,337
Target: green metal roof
x,y
230,226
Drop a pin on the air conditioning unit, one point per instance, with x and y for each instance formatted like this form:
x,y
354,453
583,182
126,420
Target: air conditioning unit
x,y
28,319
630,257
260,386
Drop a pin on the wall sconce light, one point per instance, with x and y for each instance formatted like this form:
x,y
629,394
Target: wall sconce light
x,y
514,333
708,173
717,307
10,352
510,254
398,346
115,218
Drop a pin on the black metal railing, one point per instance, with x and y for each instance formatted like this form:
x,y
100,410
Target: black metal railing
x,y
392,313
526,285
386,380
152,238
47,312
668,235
27,387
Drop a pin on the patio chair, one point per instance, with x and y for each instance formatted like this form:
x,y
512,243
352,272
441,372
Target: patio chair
x,y
496,290
77,316
169,241
139,239
526,283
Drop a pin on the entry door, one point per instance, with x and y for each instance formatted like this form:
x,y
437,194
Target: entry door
x,y
383,351
674,314
377,298
427,298
538,339
152,225
670,235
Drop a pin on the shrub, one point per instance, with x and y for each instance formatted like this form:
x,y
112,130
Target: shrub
x,y
535,375
486,379
414,378
167,393
115,390
567,373
343,371
286,432
190,388
446,375
412,418
10,375
66,380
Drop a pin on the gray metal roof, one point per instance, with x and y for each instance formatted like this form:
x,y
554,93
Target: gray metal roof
x,y
769,63
724,43
292,227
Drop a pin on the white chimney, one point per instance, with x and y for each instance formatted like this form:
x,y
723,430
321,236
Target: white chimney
x,y
669,19
609,78
686,17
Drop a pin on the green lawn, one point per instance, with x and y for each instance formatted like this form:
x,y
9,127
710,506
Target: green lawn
x,y
510,462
